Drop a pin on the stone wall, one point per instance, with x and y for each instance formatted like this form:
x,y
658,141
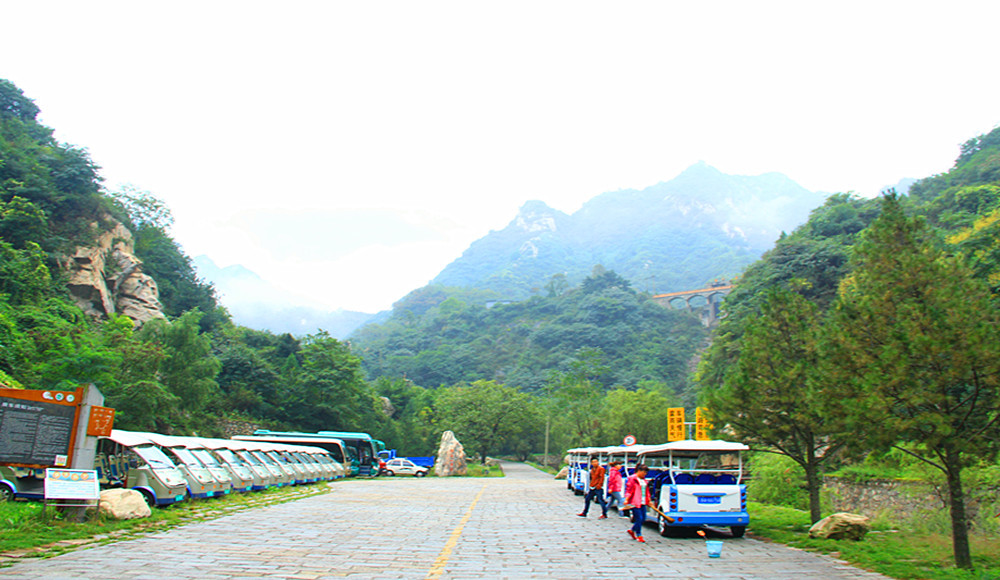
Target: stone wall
x,y
232,427
872,498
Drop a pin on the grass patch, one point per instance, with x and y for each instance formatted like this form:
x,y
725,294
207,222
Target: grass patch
x,y
24,532
546,468
903,554
478,470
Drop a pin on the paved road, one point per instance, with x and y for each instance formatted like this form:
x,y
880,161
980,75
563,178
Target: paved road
x,y
520,526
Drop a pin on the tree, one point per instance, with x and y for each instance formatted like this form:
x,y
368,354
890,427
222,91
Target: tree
x,y
189,369
14,103
916,332
777,396
641,413
485,414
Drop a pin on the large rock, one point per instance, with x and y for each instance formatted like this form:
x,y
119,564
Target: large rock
x,y
841,526
563,473
107,278
450,457
124,504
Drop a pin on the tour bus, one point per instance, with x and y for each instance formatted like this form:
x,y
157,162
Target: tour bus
x,y
697,483
131,460
355,451
365,449
201,481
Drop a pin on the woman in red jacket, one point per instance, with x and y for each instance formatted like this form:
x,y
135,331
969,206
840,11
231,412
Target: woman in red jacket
x,y
636,499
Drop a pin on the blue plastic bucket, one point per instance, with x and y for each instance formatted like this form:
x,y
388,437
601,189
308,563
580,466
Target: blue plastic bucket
x,y
714,548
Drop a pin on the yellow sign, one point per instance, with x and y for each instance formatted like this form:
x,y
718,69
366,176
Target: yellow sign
x,y
675,424
701,425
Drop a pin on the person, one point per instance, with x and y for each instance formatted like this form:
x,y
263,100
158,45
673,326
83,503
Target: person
x,y
636,499
615,487
596,490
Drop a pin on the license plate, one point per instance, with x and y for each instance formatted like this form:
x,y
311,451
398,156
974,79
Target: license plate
x,y
710,499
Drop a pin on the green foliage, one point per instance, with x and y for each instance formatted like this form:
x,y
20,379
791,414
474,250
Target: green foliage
x,y
778,395
485,415
446,338
776,479
642,413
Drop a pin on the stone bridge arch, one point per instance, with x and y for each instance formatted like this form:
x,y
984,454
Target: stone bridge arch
x,y
704,301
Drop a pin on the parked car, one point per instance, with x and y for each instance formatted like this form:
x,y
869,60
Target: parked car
x,y
404,467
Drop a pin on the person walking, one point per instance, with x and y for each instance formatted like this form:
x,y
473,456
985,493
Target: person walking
x,y
615,487
636,499
596,490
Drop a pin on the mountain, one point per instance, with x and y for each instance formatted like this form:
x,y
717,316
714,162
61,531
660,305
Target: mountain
x,y
256,303
675,235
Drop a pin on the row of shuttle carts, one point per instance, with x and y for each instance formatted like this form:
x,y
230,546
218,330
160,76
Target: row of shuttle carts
x,y
166,469
693,483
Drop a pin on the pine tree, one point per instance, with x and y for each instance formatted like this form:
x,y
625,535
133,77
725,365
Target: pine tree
x,y
915,331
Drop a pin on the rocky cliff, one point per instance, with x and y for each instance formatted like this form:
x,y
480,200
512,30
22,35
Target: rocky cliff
x,y
106,277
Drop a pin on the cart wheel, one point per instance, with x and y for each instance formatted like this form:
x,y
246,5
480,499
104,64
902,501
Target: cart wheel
x,y
389,473
150,500
420,474
738,531
662,525
6,493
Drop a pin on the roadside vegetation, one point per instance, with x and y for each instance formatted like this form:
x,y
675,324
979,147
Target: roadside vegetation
x,y
917,550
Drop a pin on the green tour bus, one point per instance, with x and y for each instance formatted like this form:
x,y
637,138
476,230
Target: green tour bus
x,y
354,450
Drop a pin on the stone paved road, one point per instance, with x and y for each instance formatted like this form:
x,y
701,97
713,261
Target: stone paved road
x,y
520,526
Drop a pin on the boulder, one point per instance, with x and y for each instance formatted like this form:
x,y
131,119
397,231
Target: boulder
x,y
450,457
124,504
563,473
841,526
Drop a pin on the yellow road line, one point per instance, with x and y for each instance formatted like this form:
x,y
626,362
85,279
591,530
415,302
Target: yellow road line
x,y
442,560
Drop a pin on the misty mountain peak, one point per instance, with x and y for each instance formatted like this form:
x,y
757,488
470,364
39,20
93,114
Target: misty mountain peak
x,y
675,235
536,216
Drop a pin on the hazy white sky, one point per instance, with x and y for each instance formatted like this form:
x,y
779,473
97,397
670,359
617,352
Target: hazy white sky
x,y
348,151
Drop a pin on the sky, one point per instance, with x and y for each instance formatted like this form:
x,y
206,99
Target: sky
x,y
348,151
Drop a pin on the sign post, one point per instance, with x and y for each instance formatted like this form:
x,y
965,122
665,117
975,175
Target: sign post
x,y
78,485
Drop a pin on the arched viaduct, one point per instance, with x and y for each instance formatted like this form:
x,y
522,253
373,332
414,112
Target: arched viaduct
x,y
704,301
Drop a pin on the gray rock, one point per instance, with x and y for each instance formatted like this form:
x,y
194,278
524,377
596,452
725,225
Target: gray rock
x,y
450,457
124,504
840,526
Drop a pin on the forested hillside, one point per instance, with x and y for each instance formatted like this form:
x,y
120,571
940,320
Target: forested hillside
x,y
633,341
872,334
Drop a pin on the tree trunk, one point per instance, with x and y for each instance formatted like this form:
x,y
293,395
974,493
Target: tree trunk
x,y
959,524
813,484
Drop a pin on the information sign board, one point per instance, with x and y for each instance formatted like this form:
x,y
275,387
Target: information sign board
x,y
37,428
102,421
71,484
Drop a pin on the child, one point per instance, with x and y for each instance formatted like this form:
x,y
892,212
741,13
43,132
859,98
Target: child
x,y
636,499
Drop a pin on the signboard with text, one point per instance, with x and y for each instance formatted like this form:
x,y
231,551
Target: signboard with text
x,y
38,428
71,484
102,421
